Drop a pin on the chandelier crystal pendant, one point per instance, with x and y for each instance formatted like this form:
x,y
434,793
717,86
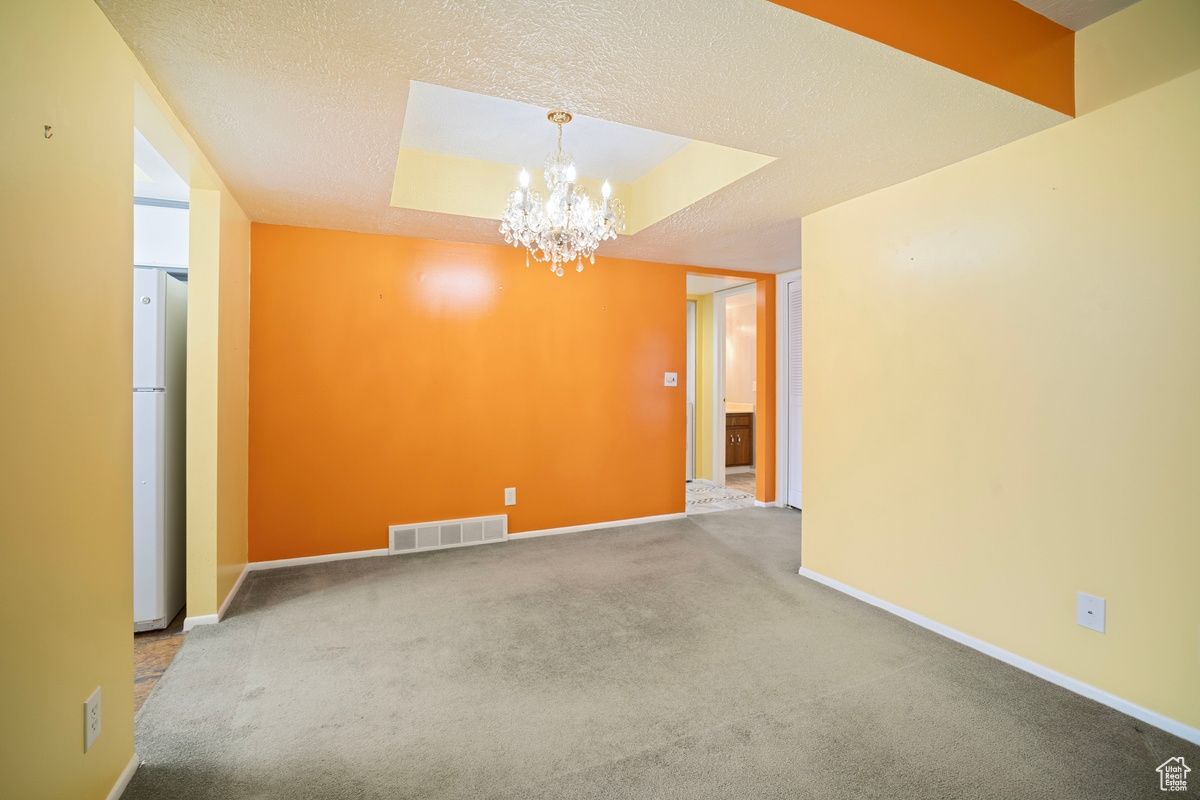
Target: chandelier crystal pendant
x,y
570,225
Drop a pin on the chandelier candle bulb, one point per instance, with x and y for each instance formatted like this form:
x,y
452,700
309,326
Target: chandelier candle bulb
x,y
523,178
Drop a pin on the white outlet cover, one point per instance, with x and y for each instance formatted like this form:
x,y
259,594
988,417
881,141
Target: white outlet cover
x,y
1089,611
91,720
670,379
510,497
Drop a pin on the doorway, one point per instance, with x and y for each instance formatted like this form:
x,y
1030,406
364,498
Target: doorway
x,y
690,455
161,228
722,356
735,332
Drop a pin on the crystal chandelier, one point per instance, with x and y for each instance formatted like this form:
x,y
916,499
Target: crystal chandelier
x,y
567,227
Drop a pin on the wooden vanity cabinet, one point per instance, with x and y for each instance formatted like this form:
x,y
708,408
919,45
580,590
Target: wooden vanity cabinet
x,y
739,440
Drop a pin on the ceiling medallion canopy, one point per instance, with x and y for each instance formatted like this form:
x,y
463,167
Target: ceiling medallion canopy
x,y
570,225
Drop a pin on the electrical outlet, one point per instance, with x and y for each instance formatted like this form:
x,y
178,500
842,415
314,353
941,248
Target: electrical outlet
x,y
91,720
510,496
670,379
1089,611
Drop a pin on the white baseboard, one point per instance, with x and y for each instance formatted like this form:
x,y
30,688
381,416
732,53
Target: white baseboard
x,y
229,597
761,504
383,551
1160,721
203,619
213,619
594,526
299,562
254,566
124,778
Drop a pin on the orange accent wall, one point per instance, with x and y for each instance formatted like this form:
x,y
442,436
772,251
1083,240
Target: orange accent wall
x,y
764,430
999,42
398,380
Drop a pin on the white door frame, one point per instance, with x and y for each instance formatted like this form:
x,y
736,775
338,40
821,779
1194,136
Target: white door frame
x,y
718,396
690,469
782,387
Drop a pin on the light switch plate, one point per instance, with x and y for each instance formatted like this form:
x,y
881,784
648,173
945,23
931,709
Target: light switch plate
x,y
510,496
670,379
1089,611
91,720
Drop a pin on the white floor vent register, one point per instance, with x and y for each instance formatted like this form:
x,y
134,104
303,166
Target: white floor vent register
x,y
448,533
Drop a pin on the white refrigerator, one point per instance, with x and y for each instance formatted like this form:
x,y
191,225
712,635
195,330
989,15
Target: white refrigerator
x,y
159,403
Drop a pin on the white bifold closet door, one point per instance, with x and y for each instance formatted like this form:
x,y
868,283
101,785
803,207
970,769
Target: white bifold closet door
x,y
795,387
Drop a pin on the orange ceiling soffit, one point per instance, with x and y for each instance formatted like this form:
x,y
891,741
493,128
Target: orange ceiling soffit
x,y
999,42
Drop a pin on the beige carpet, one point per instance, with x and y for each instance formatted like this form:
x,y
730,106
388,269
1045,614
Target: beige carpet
x,y
683,659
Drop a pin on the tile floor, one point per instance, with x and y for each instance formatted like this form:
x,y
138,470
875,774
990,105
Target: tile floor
x,y
153,652
742,481
703,497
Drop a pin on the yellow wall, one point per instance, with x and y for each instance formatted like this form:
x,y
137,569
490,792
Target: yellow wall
x,y
233,398
472,187
218,408
1001,394
66,284
66,254
1134,50
704,385
204,260
690,175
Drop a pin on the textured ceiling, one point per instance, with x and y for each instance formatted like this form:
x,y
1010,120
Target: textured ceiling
x,y
1076,14
458,123
300,104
